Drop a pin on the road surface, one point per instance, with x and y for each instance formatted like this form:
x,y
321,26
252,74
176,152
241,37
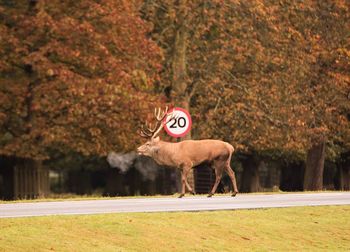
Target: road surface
x,y
168,204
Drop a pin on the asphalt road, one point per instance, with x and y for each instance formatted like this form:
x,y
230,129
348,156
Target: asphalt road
x,y
167,204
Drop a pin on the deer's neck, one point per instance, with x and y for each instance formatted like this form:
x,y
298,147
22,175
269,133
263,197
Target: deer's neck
x,y
166,153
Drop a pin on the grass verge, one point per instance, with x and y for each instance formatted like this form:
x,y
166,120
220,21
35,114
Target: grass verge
x,y
299,228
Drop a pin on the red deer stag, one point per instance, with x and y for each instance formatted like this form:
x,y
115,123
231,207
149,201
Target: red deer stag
x,y
187,154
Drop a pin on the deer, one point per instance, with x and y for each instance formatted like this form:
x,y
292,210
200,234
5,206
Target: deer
x,y
186,154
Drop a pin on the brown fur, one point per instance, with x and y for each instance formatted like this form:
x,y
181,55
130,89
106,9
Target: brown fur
x,y
189,153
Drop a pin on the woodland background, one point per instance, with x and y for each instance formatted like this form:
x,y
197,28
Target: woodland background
x,y
77,79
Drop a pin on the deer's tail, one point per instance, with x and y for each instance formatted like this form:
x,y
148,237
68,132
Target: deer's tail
x,y
231,150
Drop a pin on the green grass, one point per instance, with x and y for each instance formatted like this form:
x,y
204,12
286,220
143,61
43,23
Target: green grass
x,y
280,229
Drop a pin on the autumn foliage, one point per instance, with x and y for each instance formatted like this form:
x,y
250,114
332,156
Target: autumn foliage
x,y
269,77
75,76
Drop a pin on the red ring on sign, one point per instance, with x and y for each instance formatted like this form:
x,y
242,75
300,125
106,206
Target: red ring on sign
x,y
189,123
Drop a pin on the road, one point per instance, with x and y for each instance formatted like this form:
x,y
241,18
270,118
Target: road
x,y
168,204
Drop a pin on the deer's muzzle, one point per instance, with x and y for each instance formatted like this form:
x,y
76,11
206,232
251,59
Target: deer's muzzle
x,y
140,150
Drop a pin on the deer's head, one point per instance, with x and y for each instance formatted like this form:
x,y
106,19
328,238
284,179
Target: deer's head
x,y
151,147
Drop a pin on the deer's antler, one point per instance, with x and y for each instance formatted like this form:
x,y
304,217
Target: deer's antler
x,y
148,131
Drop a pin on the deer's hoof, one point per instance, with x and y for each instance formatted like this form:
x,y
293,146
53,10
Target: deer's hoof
x,y
210,195
181,195
234,194
193,193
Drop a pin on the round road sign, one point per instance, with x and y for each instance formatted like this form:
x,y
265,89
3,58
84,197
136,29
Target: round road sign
x,y
178,122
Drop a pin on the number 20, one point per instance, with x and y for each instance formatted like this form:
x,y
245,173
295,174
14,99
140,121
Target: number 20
x,y
181,122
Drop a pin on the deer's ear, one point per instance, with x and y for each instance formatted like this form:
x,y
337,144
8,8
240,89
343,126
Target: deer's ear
x,y
156,139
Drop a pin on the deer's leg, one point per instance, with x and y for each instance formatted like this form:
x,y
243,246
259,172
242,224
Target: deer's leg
x,y
184,183
232,176
186,171
219,167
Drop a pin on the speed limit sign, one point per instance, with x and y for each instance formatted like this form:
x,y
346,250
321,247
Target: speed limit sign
x,y
178,122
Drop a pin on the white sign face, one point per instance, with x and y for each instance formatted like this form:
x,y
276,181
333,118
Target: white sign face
x,y
180,124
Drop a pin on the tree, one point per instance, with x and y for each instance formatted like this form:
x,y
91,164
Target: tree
x,y
328,88
74,76
293,102
256,76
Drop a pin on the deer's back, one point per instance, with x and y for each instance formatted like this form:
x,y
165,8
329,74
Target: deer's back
x,y
205,150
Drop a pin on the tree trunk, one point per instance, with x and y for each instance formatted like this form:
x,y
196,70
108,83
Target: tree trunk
x,y
6,172
179,67
313,179
180,97
250,176
274,175
345,177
